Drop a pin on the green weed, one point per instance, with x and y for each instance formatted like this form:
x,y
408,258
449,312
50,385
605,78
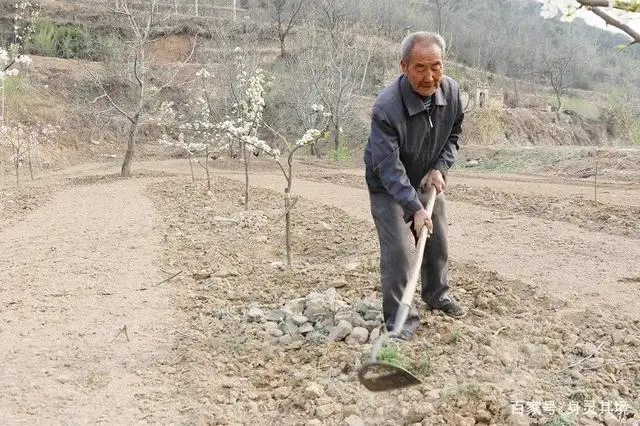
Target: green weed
x,y
394,355
455,336
339,155
560,420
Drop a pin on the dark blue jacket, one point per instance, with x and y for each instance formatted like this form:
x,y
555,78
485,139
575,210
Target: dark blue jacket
x,y
406,140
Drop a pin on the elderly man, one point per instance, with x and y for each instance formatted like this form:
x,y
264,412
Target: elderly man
x,y
415,126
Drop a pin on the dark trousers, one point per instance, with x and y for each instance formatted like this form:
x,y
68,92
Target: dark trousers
x,y
397,244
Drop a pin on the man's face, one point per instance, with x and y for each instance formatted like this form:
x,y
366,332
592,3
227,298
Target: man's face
x,y
424,68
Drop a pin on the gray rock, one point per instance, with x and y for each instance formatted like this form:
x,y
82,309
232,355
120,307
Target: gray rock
x,y
282,392
285,340
482,416
276,332
325,325
349,410
277,315
575,374
358,335
362,306
270,325
372,324
352,317
255,315
290,327
611,420
339,305
313,391
339,283
353,420
316,336
305,328
317,309
373,315
419,412
459,420
340,331
324,411
585,349
295,306
375,334
313,422
299,319
518,419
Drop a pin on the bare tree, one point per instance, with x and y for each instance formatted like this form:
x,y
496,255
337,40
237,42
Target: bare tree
x,y
335,63
146,96
557,69
23,140
285,14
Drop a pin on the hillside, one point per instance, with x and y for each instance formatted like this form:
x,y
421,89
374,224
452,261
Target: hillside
x,y
91,45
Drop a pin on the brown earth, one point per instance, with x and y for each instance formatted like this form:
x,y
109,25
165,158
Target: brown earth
x,y
88,253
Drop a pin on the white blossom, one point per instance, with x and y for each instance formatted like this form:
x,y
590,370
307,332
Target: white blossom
x,y
309,137
568,9
203,73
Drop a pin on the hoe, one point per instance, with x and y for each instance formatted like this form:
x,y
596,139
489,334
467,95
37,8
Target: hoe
x,y
378,375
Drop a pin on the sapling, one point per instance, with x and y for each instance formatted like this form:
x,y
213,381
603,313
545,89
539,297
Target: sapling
x,y
244,128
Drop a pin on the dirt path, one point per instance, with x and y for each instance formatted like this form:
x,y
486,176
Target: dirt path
x,y
586,269
70,275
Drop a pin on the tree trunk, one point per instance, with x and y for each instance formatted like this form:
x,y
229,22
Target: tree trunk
x,y
287,218
131,147
206,168
17,166
246,176
193,177
595,178
336,134
282,46
30,166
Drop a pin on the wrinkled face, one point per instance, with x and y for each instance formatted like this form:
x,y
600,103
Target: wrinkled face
x,y
424,68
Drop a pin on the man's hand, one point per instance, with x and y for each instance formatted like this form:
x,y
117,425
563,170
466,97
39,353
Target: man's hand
x,y
433,178
420,220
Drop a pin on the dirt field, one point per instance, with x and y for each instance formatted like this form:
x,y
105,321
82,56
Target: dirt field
x,y
92,332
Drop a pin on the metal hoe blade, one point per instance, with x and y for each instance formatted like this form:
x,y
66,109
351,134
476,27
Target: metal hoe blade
x,y
383,376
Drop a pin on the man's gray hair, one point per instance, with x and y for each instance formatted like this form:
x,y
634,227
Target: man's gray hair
x,y
420,37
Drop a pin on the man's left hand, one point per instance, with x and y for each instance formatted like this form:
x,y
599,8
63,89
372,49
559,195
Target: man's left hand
x,y
433,178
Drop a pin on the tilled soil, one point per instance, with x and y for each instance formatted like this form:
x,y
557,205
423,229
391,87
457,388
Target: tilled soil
x,y
586,213
518,350
521,356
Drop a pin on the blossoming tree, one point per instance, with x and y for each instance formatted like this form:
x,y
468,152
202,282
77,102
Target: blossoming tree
x,y
12,60
245,120
244,126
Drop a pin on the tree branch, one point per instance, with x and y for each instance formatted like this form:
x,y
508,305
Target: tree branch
x,y
293,16
105,94
610,20
619,4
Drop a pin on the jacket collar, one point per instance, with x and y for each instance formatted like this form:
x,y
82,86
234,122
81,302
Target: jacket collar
x,y
413,102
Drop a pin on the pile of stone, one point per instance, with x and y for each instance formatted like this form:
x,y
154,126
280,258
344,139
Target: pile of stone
x,y
320,317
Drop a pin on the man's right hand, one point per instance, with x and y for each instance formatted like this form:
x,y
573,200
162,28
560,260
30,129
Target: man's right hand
x,y
420,220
